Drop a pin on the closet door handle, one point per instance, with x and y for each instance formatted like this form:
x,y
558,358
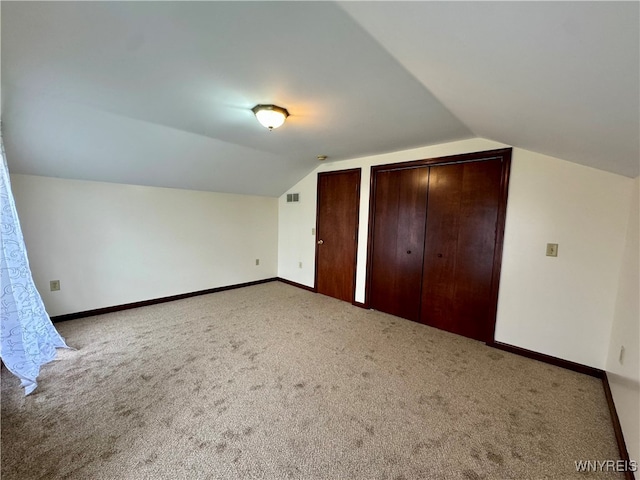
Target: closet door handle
x,y
439,255
408,251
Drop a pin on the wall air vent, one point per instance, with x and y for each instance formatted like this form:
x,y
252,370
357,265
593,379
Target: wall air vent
x,y
293,197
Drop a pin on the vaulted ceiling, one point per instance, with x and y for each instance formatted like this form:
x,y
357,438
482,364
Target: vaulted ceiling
x,y
160,93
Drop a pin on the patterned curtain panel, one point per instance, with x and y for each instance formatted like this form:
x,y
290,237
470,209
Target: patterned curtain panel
x,y
28,337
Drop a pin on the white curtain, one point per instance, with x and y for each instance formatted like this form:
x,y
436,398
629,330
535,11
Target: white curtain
x,y
28,338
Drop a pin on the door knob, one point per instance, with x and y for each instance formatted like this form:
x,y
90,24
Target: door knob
x,y
320,242
439,255
409,251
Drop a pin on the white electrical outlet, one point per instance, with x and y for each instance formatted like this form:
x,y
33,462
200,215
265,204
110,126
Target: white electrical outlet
x,y
257,261
313,231
54,285
299,264
621,357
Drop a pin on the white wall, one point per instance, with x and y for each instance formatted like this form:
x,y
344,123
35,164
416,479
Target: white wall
x,y
111,244
624,378
558,306
562,306
295,242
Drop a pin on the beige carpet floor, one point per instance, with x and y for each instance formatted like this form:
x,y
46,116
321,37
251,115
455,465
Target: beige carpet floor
x,y
273,382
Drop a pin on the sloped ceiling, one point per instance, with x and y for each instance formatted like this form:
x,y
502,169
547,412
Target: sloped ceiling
x,y
560,78
160,93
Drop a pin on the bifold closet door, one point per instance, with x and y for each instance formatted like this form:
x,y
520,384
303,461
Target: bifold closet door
x,y
399,215
460,242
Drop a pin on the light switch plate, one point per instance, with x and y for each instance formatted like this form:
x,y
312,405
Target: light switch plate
x,y
54,285
552,249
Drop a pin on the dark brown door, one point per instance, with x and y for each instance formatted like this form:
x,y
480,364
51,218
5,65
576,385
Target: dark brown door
x,y
399,214
337,233
460,242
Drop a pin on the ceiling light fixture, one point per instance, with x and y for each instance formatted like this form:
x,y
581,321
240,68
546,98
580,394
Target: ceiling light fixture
x,y
270,116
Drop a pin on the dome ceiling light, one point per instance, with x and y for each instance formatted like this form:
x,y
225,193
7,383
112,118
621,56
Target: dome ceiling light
x,y
270,116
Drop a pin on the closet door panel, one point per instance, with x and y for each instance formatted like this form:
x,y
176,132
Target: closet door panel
x,y
398,241
460,242
441,239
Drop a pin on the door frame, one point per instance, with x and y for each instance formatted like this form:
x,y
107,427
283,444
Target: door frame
x,y
355,257
504,154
